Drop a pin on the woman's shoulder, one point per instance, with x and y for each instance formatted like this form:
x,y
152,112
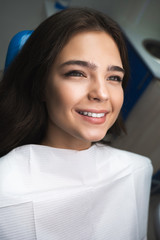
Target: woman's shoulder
x,y
20,157
22,152
124,158
16,159
16,153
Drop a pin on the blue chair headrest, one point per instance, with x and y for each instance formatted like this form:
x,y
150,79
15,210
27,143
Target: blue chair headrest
x,y
15,45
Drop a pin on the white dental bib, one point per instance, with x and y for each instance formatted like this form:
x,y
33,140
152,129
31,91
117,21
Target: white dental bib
x,y
100,193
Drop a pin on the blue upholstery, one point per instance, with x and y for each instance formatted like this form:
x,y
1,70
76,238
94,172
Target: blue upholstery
x,y
15,45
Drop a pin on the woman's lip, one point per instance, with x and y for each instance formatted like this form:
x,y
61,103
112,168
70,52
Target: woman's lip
x,y
93,120
92,111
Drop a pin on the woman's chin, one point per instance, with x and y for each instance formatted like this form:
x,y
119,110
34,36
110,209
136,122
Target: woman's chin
x,y
96,138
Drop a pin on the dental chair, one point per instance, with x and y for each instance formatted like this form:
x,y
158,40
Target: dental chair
x,y
15,45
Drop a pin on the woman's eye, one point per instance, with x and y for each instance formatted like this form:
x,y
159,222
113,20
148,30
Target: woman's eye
x,y
74,74
115,78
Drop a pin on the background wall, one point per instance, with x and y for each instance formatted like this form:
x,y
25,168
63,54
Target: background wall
x,y
20,15
15,16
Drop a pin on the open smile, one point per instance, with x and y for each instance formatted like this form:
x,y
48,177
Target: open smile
x,y
93,116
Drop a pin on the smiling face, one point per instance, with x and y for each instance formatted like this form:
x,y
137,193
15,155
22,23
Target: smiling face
x,y
84,91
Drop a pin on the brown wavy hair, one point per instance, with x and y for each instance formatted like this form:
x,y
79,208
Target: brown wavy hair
x,y
23,115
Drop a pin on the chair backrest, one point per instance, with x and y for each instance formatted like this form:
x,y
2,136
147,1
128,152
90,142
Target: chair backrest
x,y
15,45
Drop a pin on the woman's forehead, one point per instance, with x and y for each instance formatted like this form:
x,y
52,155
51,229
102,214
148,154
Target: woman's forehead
x,y
89,46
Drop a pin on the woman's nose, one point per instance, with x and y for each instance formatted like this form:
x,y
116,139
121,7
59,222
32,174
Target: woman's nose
x,y
98,91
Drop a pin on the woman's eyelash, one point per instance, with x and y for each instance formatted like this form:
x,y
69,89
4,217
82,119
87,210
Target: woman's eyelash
x,y
115,78
74,73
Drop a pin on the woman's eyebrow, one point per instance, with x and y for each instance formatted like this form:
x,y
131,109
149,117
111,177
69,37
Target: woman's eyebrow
x,y
90,65
115,68
80,63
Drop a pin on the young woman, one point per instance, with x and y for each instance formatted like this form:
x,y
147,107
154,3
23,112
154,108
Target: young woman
x,y
59,98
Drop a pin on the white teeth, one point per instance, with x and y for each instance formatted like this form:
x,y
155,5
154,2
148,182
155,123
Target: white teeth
x,y
84,113
90,114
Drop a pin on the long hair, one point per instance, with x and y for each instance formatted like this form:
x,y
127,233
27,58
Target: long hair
x,y
23,115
